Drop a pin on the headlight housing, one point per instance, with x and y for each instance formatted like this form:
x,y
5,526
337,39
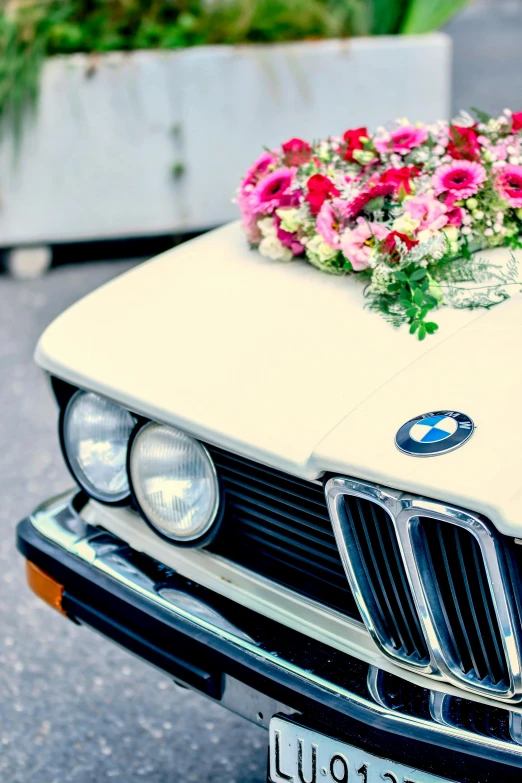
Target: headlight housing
x,y
174,483
95,436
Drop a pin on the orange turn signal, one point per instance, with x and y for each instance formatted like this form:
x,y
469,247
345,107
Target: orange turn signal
x,y
44,586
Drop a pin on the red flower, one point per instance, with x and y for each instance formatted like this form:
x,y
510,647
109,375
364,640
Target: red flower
x,y
400,177
390,244
296,152
352,142
463,143
517,121
358,204
320,188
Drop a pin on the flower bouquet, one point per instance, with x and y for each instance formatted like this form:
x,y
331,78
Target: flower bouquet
x,y
407,209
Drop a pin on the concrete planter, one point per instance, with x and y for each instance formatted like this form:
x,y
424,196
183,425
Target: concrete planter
x,y
155,142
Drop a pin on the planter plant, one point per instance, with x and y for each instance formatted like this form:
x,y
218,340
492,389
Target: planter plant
x,y
136,117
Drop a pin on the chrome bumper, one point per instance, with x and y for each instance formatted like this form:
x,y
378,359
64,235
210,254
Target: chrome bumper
x,y
59,527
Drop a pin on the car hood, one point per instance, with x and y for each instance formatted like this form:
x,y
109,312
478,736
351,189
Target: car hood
x,y
286,366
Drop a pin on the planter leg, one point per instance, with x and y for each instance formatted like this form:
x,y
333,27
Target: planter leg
x,y
25,263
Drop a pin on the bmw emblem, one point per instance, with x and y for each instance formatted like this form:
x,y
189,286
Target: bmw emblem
x,y
434,433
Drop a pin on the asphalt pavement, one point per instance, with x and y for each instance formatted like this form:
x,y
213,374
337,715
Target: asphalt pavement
x,y
74,707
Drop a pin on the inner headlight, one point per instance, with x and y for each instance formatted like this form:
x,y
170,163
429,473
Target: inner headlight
x,y
174,482
95,434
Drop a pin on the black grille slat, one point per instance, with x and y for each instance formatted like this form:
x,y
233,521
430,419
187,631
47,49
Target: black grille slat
x,y
375,540
485,596
471,604
459,577
375,579
400,588
281,553
302,521
264,524
278,526
283,482
256,486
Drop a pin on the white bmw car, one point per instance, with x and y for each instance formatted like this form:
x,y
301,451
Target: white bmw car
x,y
297,510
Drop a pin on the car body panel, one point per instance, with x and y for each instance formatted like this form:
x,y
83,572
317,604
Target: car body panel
x,y
286,366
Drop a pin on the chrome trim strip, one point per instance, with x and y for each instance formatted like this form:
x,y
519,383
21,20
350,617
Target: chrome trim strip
x,y
515,727
439,707
375,685
405,510
59,522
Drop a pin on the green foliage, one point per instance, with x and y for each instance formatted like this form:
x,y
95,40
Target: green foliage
x,y
467,283
422,16
411,287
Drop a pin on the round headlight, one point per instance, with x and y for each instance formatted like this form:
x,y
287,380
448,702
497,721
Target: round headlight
x,y
174,482
95,435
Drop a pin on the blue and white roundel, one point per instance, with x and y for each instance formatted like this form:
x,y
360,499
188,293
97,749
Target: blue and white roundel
x,y
433,429
434,433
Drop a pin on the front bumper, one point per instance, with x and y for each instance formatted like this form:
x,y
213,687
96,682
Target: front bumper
x,y
250,664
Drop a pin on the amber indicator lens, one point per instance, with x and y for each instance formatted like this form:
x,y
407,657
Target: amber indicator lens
x,y
44,586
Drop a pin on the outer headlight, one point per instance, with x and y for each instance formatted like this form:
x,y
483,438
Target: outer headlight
x,y
174,482
95,436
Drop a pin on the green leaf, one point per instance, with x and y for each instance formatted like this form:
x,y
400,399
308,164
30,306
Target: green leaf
x,y
411,312
388,16
418,274
401,276
393,288
482,116
431,327
418,297
422,332
430,300
423,16
413,328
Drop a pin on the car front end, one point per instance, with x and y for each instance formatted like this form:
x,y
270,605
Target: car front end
x,y
247,521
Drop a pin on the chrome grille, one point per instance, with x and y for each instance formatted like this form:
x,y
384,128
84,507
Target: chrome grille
x,y
278,526
374,553
437,570
458,578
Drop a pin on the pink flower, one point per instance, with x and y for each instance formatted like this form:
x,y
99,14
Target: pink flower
x,y
256,171
454,214
509,185
429,211
402,139
357,243
267,194
288,239
330,221
462,178
248,221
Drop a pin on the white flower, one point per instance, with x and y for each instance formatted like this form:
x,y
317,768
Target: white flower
x,y
271,247
318,247
488,232
267,227
405,224
382,276
289,219
466,230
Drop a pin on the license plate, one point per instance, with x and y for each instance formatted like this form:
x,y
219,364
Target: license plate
x,y
304,756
